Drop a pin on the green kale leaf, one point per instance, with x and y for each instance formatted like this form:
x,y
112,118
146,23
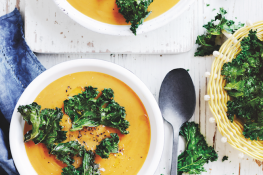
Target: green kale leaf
x,y
108,145
207,42
114,116
65,151
134,11
45,124
71,170
50,128
31,114
197,152
85,109
82,109
253,129
89,167
224,158
206,45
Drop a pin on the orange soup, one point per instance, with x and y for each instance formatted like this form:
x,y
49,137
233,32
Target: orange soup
x,y
107,11
133,148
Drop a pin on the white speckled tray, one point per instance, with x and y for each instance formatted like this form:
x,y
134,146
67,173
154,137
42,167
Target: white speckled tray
x,y
49,30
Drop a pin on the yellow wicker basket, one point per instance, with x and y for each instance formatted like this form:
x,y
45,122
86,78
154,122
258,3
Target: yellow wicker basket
x,y
217,96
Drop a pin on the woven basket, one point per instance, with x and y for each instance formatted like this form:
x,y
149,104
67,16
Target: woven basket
x,y
231,132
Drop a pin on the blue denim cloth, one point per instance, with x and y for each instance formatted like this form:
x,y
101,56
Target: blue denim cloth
x,y
18,67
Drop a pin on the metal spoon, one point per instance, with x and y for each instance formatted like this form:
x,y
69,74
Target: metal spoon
x,y
177,103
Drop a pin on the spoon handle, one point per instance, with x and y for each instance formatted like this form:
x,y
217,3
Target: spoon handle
x,y
175,150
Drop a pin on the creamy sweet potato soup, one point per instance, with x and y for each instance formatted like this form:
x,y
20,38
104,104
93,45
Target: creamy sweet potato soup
x,y
133,148
107,11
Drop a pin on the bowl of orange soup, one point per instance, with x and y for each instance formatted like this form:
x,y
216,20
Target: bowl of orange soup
x,y
142,146
102,15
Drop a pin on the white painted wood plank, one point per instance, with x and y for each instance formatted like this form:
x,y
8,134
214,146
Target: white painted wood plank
x,y
7,6
49,30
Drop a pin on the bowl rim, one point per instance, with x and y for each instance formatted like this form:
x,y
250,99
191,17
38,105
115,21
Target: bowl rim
x,y
19,154
123,30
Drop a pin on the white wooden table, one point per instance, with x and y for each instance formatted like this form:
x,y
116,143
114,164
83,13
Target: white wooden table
x,y
151,69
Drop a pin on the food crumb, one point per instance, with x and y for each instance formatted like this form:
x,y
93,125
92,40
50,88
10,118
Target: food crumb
x,y
225,158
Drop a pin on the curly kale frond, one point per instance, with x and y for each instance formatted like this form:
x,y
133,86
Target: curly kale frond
x,y
71,170
114,116
65,151
206,45
90,111
224,158
214,28
31,114
108,145
50,128
46,126
197,152
89,167
134,11
107,95
253,129
244,84
76,106
82,109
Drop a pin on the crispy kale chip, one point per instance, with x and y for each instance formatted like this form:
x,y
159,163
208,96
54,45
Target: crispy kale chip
x,y
88,166
108,145
71,170
244,84
114,116
85,109
50,128
197,152
224,158
207,42
65,151
253,129
31,114
45,124
134,11
82,109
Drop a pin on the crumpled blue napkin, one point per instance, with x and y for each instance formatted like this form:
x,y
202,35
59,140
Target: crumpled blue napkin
x,y
18,67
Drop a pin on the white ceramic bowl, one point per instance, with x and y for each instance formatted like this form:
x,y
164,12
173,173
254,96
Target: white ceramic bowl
x,y
123,30
17,124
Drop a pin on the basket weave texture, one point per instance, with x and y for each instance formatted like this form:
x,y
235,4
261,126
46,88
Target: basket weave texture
x,y
218,96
